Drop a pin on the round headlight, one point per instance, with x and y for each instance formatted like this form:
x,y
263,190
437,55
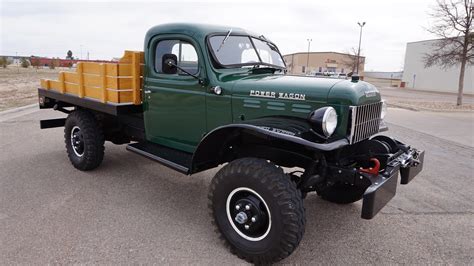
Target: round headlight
x,y
384,109
324,121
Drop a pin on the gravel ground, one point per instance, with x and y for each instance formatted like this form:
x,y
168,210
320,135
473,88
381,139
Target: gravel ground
x,y
425,101
18,86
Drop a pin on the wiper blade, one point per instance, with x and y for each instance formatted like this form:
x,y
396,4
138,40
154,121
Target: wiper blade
x,y
225,39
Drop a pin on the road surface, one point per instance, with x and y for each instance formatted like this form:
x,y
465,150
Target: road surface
x,y
132,210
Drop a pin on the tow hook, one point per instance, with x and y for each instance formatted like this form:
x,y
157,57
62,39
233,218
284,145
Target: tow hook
x,y
372,170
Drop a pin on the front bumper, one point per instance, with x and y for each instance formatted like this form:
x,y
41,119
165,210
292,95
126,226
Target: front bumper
x,y
384,185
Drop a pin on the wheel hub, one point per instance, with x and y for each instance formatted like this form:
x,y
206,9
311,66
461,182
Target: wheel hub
x,y
250,215
241,217
77,141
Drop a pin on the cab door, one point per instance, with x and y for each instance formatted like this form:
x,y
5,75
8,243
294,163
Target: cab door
x,y
174,104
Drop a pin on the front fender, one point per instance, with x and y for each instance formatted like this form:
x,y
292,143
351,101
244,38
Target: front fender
x,y
276,132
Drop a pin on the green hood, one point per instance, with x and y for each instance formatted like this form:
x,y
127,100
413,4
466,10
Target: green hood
x,y
306,89
302,89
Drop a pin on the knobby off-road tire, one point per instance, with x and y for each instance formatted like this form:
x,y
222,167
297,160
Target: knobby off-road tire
x,y
342,194
84,140
275,203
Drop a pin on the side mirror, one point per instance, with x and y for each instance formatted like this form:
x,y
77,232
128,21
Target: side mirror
x,y
168,64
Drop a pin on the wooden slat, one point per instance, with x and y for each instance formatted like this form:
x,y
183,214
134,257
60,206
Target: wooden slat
x,y
103,87
62,87
80,82
120,96
111,69
91,68
54,85
92,92
126,58
92,80
136,77
45,84
124,70
71,88
71,77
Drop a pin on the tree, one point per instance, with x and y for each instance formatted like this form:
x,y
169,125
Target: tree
x,y
350,60
35,61
3,62
53,63
69,55
24,63
453,24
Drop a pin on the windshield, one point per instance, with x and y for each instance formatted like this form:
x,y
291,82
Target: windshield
x,y
245,51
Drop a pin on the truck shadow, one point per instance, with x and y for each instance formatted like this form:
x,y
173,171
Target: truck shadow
x,y
177,202
188,195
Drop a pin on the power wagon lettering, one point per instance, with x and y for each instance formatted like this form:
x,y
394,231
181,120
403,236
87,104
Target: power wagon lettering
x,y
279,95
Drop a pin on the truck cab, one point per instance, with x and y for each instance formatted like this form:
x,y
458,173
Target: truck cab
x,y
210,96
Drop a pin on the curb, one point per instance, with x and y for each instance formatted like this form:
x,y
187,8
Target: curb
x,y
17,112
418,109
18,109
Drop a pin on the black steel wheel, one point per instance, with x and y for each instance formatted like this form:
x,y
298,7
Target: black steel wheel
x,y
342,194
84,140
257,210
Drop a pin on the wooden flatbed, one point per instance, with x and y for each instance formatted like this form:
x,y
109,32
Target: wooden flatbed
x,y
114,84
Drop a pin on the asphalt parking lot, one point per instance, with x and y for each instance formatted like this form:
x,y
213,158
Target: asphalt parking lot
x,y
132,210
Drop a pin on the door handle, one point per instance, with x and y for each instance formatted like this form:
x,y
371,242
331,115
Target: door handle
x,y
147,91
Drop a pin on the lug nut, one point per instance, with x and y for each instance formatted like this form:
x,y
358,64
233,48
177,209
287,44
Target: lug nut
x,y
247,227
254,219
237,207
247,207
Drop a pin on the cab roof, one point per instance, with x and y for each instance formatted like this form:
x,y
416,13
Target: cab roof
x,y
194,29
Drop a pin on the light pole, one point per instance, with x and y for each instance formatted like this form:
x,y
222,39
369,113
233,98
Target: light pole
x,y
307,59
81,51
361,25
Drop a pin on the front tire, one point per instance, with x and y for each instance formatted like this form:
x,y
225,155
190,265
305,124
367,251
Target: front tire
x,y
257,209
84,140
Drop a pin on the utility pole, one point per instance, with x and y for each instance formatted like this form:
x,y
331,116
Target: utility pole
x,y
307,59
17,62
81,51
361,25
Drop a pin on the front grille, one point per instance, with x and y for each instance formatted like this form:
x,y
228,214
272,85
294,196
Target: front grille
x,y
365,121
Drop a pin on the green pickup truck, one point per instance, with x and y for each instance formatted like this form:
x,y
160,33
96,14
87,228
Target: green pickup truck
x,y
214,96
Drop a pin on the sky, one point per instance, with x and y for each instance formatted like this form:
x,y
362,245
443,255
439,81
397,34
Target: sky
x,y
105,29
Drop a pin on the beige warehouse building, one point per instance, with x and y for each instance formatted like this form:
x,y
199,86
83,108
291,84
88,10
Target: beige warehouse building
x,y
322,62
434,78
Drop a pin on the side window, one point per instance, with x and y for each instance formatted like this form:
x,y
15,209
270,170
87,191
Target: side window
x,y
184,51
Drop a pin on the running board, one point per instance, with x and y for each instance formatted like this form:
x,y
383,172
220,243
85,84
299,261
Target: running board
x,y
174,159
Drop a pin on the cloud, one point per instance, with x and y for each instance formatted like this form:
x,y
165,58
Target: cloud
x,y
105,29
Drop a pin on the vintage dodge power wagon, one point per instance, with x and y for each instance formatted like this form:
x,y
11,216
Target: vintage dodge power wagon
x,y
203,96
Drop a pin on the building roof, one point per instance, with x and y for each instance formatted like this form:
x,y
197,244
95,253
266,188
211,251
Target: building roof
x,y
305,53
437,39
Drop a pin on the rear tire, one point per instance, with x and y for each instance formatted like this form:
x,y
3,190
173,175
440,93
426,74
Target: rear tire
x,y
84,140
342,194
269,223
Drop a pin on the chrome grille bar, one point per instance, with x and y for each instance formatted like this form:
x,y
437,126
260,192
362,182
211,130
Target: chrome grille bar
x,y
365,121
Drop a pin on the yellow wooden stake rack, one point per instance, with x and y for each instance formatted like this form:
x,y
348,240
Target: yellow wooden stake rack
x,y
116,83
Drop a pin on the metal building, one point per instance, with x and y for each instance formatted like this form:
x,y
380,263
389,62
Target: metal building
x,y
435,78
